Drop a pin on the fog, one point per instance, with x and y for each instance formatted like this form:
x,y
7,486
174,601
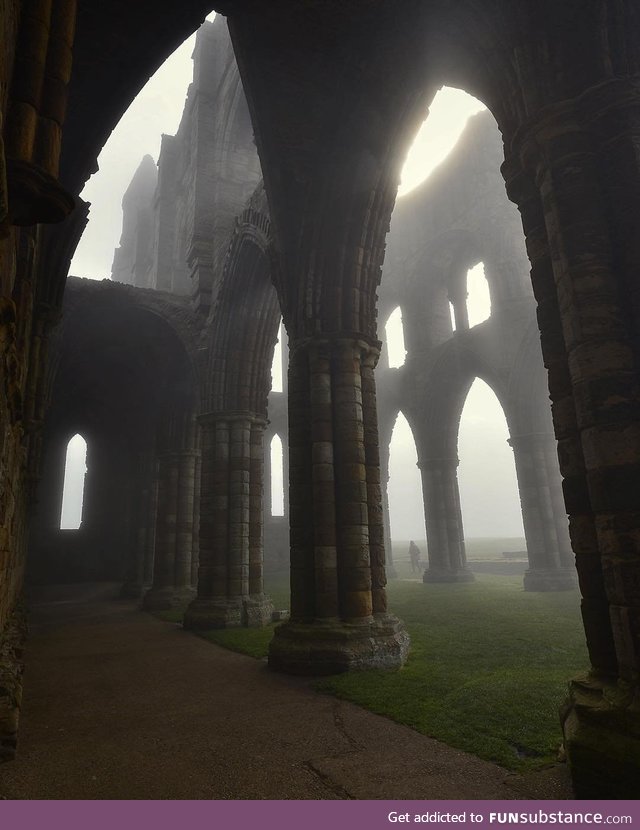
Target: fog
x,y
487,473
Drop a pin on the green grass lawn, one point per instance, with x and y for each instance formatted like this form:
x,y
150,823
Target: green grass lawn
x,y
488,667
487,670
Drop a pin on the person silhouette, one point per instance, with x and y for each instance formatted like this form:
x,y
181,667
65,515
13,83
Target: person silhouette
x,y
414,556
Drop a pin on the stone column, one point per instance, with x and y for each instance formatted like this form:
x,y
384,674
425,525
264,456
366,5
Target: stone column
x,y
187,460
195,557
36,112
339,619
581,157
239,437
554,479
161,594
257,607
386,518
152,516
594,606
551,566
375,511
230,588
443,516
135,583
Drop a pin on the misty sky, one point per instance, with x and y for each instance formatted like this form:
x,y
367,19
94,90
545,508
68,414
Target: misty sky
x,y
487,473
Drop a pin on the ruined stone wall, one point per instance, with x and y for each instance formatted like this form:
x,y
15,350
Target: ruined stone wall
x,y
206,173
11,466
122,363
34,72
461,216
169,254
133,258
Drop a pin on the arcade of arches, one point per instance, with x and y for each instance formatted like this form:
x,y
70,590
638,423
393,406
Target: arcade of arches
x,y
286,215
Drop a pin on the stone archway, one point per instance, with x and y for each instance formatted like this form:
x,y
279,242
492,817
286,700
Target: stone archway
x,y
562,82
243,328
120,374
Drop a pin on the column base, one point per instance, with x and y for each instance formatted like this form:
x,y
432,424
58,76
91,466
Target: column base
x,y
437,575
550,579
258,611
333,647
250,612
601,726
163,599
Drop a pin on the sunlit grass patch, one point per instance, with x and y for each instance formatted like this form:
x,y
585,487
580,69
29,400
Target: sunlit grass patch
x,y
487,671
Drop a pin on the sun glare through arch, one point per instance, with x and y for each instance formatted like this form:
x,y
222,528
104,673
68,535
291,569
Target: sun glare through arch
x,y
448,115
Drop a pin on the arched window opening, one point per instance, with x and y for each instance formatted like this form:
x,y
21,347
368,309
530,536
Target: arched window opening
x,y
406,506
157,109
487,475
75,469
394,333
277,477
452,314
276,366
436,138
478,295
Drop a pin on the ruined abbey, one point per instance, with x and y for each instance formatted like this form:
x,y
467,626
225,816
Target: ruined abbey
x,y
270,210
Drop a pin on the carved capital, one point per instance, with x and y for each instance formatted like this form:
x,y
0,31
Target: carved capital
x,y
35,197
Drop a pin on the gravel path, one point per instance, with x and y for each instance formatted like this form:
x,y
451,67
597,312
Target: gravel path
x,y
118,704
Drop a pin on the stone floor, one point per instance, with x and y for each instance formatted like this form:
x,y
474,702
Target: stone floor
x,y
120,705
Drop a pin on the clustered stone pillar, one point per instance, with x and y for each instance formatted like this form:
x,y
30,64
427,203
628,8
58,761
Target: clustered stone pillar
x,y
576,179
256,510
386,516
151,519
230,583
161,592
443,513
173,531
195,554
375,505
339,617
139,574
187,460
551,560
36,112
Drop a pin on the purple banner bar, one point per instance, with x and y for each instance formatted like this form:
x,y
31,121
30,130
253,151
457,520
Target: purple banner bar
x,y
313,815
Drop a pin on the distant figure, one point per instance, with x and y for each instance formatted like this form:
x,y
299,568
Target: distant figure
x,y
414,556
